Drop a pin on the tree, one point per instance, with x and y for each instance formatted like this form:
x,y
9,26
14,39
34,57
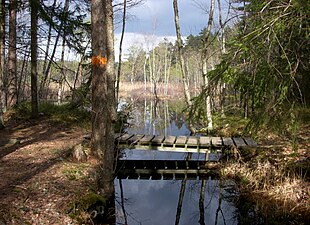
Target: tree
x,y
181,60
120,50
34,4
103,98
2,60
204,66
12,79
268,60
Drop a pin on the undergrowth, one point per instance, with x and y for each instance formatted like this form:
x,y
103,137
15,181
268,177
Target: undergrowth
x,y
66,113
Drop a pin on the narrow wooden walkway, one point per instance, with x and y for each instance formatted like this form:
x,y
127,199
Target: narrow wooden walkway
x,y
201,144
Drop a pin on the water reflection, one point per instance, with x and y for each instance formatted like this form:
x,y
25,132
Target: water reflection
x,y
155,202
169,201
153,117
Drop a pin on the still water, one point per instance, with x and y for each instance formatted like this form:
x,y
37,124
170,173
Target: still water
x,y
165,202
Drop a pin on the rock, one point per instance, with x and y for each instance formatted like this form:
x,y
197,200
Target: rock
x,y
78,153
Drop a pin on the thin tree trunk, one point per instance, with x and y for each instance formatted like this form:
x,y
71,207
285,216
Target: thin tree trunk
x,y
23,75
2,60
181,60
12,81
103,96
62,60
45,75
47,52
78,75
204,67
180,53
120,51
34,70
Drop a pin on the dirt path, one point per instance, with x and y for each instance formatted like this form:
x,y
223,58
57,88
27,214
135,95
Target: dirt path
x,y
37,178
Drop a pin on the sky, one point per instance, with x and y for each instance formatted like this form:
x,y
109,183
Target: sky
x,y
152,21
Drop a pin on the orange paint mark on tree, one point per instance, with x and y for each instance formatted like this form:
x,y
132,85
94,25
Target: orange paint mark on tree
x,y
98,60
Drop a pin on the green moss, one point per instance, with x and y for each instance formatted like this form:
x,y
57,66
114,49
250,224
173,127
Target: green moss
x,y
85,206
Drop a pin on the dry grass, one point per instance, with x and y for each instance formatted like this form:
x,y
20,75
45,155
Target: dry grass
x,y
139,90
272,186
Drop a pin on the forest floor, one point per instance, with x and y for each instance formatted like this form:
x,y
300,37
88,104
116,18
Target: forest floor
x,y
38,179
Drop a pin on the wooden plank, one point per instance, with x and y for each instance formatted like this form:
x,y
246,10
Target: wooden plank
x,y
169,140
134,139
228,141
146,139
181,141
250,142
192,141
204,142
124,138
216,141
157,140
239,142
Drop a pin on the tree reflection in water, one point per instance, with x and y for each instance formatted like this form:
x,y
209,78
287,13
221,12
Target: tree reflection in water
x,y
151,202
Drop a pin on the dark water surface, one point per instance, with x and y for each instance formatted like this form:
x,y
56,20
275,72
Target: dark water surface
x,y
151,202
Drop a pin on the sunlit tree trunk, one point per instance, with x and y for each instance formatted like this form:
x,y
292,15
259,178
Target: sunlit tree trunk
x,y
180,53
103,96
2,60
12,79
204,66
181,60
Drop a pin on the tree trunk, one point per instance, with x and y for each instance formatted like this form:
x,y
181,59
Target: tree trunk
x,y
2,60
34,72
103,98
120,51
181,60
46,53
205,69
180,53
12,81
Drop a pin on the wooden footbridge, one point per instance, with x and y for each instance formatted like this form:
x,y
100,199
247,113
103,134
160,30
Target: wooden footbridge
x,y
196,144
175,169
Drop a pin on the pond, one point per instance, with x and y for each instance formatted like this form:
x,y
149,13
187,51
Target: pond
x,y
151,202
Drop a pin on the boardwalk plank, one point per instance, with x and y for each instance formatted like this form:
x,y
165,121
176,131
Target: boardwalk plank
x,y
204,142
134,139
124,138
181,141
146,139
157,140
169,140
228,142
250,142
192,141
239,142
216,141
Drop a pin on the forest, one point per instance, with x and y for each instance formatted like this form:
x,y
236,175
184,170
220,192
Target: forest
x,y
68,86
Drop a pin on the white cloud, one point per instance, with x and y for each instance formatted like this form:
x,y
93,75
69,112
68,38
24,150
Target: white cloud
x,y
146,41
